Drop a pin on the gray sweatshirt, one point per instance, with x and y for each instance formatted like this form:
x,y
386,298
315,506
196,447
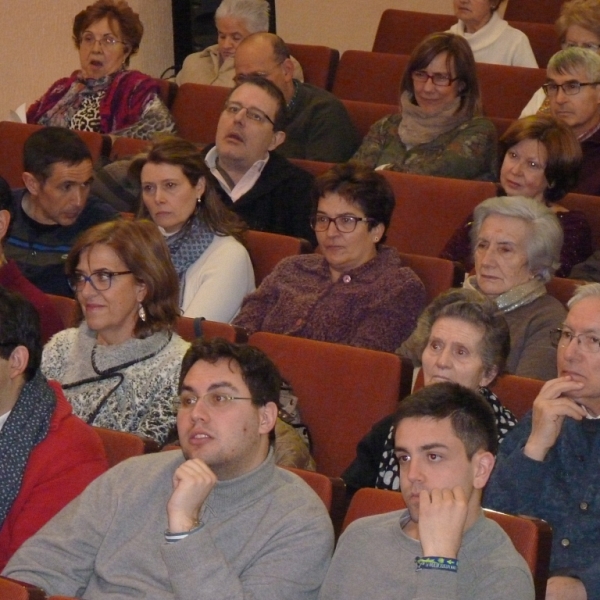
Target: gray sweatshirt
x,y
265,535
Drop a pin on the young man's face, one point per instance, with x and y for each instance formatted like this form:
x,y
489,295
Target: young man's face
x,y
431,456
232,439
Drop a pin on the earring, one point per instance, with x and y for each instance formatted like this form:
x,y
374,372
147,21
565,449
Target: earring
x,y
142,313
376,239
198,199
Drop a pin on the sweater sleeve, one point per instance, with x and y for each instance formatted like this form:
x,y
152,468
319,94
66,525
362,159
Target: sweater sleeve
x,y
392,315
374,142
220,283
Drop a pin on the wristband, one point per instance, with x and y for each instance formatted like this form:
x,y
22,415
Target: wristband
x,y
175,537
436,562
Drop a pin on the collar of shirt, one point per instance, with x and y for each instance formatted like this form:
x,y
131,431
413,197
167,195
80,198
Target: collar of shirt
x,y
3,419
245,184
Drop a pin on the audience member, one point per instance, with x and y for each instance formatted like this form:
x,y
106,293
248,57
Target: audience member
x,y
578,27
217,520
547,466
47,455
103,95
235,20
460,337
356,290
204,237
491,38
516,244
441,546
541,160
267,191
119,368
12,279
53,208
573,90
439,129
317,125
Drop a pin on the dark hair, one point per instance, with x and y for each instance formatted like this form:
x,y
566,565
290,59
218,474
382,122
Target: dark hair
x,y
50,145
129,22
272,90
359,185
181,153
142,248
472,307
561,144
5,196
20,326
472,418
258,370
460,55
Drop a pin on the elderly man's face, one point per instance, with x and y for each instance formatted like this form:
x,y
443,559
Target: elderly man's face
x,y
240,140
255,57
579,111
572,360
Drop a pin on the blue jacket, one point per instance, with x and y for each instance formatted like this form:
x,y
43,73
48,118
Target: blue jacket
x,y
564,490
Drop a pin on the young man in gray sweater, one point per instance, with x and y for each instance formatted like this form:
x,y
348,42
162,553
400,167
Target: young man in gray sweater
x,y
441,546
217,521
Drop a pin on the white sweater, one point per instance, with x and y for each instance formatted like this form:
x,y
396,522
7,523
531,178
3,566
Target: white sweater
x,y
498,43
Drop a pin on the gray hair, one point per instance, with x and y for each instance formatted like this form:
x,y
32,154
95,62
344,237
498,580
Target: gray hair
x,y
569,60
254,13
546,239
584,291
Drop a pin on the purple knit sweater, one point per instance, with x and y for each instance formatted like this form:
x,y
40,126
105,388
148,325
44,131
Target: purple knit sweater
x,y
373,306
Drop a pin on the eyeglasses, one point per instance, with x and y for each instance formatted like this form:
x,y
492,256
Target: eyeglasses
x,y
586,46
343,223
107,41
99,280
589,342
252,114
570,88
441,79
211,400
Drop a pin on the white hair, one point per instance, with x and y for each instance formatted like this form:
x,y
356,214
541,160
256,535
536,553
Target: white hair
x,y
254,13
584,291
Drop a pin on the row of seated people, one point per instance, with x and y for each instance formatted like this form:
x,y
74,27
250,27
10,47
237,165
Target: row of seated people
x,y
459,307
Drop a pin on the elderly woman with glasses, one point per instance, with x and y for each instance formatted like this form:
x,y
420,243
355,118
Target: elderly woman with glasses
x,y
355,291
439,129
104,96
235,21
578,27
120,368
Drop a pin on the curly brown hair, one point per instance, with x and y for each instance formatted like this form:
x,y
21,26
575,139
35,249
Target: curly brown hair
x,y
140,245
118,11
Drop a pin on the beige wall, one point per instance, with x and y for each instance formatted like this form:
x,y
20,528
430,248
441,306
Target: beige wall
x,y
37,48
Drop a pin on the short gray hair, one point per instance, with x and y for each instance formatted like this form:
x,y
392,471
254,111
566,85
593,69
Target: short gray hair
x,y
254,13
570,60
584,291
545,243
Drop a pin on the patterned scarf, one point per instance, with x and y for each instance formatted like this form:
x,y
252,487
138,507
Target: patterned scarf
x,y
61,114
27,425
516,297
419,127
187,246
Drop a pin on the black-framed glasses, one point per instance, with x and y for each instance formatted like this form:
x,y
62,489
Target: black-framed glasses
x,y
106,41
100,280
570,88
441,79
343,223
211,400
589,342
252,114
585,45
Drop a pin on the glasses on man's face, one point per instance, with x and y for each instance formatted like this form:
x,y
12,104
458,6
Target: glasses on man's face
x,y
252,114
218,400
343,223
107,41
589,342
100,280
585,45
570,88
441,79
